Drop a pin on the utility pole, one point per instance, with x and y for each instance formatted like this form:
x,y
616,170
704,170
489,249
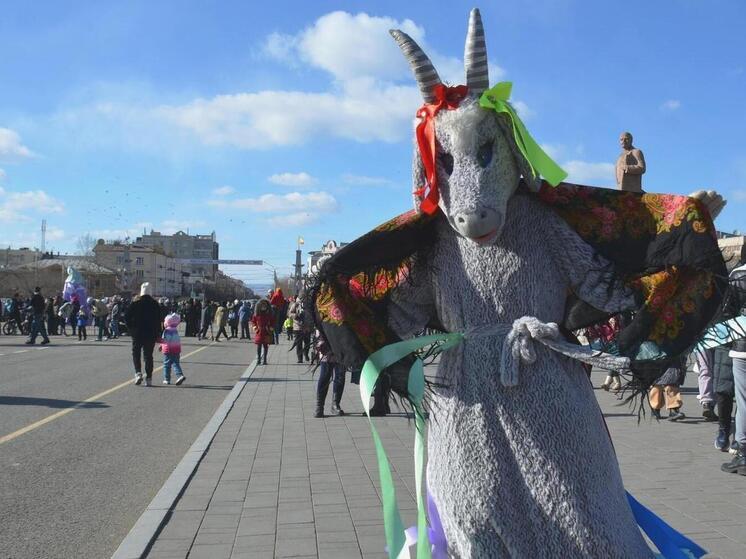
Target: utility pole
x,y
43,236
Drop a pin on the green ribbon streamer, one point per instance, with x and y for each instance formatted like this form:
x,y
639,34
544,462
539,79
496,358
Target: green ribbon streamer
x,y
377,362
540,163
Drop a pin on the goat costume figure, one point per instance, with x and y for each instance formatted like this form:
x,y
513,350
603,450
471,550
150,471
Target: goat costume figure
x,y
519,461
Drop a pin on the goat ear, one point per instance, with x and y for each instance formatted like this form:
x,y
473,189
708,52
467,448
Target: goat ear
x,y
418,178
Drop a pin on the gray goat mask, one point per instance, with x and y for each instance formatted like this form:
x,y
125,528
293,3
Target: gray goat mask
x,y
478,163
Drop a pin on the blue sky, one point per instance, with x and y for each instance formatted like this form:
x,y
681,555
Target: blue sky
x,y
265,121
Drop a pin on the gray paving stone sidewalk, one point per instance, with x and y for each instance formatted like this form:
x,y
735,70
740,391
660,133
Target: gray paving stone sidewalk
x,y
278,483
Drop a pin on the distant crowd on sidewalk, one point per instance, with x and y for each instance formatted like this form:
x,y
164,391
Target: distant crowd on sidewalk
x,y
721,376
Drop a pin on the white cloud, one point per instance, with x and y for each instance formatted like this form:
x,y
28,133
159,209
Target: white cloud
x,y
585,172
293,179
293,202
362,180
362,111
349,46
15,205
366,103
223,191
280,46
11,147
372,96
298,219
671,105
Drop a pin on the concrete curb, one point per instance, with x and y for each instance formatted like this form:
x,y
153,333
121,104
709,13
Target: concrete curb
x,y
136,542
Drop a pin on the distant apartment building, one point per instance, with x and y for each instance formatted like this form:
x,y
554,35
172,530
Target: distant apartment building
x,y
18,256
136,264
183,246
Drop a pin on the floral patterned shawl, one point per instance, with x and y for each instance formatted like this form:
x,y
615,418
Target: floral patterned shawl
x,y
662,246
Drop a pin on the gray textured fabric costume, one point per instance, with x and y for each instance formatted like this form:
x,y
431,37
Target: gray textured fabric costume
x,y
525,471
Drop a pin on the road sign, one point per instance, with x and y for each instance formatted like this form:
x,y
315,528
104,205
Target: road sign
x,y
207,261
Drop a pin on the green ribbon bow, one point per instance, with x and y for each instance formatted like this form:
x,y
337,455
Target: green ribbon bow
x,y
540,163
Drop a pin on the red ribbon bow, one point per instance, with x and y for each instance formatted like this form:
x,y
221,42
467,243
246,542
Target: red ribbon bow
x,y
447,98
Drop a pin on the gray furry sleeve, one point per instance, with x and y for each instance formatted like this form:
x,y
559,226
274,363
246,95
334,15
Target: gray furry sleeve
x,y
591,276
412,308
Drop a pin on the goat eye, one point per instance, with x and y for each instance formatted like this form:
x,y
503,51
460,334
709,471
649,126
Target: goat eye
x,y
446,159
484,155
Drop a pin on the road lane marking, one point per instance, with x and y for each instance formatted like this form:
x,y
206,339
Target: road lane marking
x,y
21,351
30,427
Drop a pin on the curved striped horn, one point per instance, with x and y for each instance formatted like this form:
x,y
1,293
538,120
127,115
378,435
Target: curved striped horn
x,y
424,71
475,56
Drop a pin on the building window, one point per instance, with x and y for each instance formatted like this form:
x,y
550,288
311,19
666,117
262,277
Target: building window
x,y
139,274
139,261
120,259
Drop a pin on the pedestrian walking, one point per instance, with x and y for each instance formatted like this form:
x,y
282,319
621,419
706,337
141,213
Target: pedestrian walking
x,y
64,313
171,349
233,318
263,324
206,317
81,320
100,313
735,306
75,301
301,330
14,311
244,315
116,315
666,390
328,367
600,337
38,305
221,319
279,311
51,317
287,326
722,372
143,320
703,364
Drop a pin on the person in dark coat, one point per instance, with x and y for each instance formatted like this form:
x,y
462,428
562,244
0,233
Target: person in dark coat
x,y
724,389
206,315
143,319
51,317
735,306
38,306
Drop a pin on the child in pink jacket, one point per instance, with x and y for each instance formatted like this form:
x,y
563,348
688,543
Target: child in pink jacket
x,y
171,349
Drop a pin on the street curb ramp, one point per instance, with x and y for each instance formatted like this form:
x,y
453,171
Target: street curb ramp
x,y
139,539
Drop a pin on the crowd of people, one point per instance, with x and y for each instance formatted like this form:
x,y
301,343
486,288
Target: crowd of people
x,y
721,371
721,377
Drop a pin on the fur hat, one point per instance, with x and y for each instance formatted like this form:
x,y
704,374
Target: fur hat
x,y
172,320
146,289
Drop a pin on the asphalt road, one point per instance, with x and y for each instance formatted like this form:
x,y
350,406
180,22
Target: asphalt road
x,y
73,485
